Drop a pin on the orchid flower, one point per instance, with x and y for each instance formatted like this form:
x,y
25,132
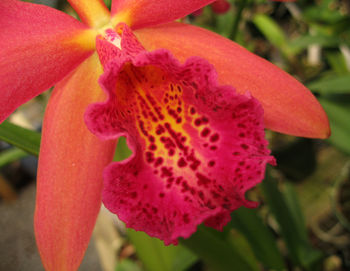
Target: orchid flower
x,y
198,143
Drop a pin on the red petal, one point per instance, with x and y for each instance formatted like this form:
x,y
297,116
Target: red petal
x,y
141,13
70,171
289,107
220,6
197,147
39,46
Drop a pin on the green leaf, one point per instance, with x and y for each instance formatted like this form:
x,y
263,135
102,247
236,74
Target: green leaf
x,y
331,84
259,236
293,233
273,33
157,257
337,62
127,265
216,252
270,29
11,155
338,112
305,41
122,151
20,137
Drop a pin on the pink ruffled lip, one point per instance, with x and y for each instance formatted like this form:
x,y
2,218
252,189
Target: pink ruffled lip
x,y
197,146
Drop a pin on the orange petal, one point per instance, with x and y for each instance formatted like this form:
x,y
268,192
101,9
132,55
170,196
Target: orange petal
x,y
289,106
141,13
92,12
70,169
39,46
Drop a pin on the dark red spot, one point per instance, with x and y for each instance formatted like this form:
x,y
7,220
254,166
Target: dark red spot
x,y
197,122
226,206
192,111
241,135
205,120
178,180
160,129
241,125
152,147
158,162
213,148
236,153
245,146
170,180
149,157
145,186
185,186
202,180
161,195
179,109
181,162
205,132
166,172
195,165
214,137
142,127
154,210
133,195
210,205
215,194
151,138
171,152
201,195
211,163
186,218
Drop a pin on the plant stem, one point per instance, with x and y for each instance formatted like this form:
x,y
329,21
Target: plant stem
x,y
241,5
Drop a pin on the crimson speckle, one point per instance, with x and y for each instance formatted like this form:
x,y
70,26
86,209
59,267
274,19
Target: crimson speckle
x,y
197,122
159,161
205,132
195,165
192,111
152,147
245,146
205,120
186,218
181,162
214,137
202,180
211,163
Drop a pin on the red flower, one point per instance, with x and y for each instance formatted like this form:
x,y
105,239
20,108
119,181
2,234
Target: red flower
x,y
42,47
